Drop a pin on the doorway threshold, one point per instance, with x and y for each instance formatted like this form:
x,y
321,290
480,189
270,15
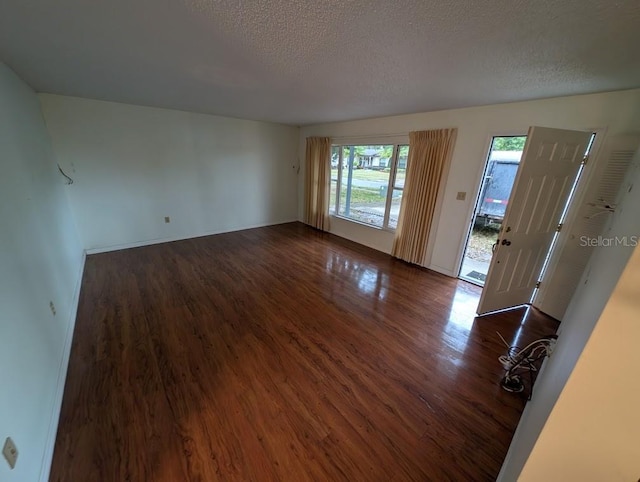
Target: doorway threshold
x,y
474,270
474,277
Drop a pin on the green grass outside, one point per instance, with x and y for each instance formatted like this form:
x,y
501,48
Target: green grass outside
x,y
367,174
359,195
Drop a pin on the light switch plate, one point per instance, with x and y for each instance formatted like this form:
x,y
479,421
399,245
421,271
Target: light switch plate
x,y
461,196
10,452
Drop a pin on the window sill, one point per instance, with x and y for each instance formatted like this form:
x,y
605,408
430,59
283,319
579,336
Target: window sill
x,y
366,225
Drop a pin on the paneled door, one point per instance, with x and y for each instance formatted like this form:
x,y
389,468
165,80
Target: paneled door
x,y
548,169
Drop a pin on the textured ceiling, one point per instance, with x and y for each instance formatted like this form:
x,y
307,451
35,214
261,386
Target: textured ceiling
x,y
309,61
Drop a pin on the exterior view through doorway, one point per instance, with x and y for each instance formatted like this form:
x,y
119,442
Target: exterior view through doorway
x,y
497,182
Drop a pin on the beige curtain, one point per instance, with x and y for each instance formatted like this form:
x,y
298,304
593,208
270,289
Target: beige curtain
x,y
317,178
429,155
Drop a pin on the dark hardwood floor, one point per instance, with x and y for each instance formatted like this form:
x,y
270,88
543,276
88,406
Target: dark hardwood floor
x,y
283,353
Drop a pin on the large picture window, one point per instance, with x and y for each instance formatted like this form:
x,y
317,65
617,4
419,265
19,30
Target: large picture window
x,y
367,182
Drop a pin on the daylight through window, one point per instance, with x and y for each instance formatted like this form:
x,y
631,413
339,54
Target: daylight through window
x,y
370,181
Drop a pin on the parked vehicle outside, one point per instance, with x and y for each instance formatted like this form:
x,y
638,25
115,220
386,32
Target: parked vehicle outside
x,y
499,178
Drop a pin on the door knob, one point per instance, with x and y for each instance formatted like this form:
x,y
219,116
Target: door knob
x,y
506,242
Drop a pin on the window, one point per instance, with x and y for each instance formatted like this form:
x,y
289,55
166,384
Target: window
x,y
367,182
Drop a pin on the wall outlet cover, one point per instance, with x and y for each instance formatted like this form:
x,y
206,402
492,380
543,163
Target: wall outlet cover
x,y
10,452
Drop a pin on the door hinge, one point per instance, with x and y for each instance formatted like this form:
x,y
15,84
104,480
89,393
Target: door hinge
x,y
559,227
585,159
538,284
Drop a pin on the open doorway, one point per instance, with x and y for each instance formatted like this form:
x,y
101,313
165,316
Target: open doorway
x,y
500,171
545,181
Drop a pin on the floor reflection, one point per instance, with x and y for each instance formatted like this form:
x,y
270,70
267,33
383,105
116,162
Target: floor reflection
x,y
368,279
458,327
519,332
463,306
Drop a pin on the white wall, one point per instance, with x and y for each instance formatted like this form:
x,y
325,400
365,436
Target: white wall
x,y
615,111
592,433
132,166
40,261
603,272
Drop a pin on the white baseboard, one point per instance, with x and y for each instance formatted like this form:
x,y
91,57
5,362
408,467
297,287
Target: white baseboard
x,y
62,377
149,242
444,271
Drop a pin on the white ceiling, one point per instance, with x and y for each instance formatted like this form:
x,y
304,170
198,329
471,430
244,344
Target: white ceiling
x,y
310,61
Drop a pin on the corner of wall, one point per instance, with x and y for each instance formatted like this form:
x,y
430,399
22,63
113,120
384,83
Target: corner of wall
x,y
42,263
47,457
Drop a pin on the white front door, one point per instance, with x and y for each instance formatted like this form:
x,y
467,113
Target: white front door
x,y
590,218
548,169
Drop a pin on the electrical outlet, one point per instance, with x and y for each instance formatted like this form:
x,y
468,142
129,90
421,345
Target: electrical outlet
x,y
167,219
461,196
53,308
10,452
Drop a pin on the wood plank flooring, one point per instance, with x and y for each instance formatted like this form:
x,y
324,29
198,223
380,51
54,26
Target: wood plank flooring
x,y
283,353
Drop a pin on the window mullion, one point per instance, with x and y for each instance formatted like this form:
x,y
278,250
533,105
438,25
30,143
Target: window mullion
x,y
392,181
339,181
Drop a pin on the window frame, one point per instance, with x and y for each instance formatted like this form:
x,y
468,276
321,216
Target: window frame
x,y
397,142
392,182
